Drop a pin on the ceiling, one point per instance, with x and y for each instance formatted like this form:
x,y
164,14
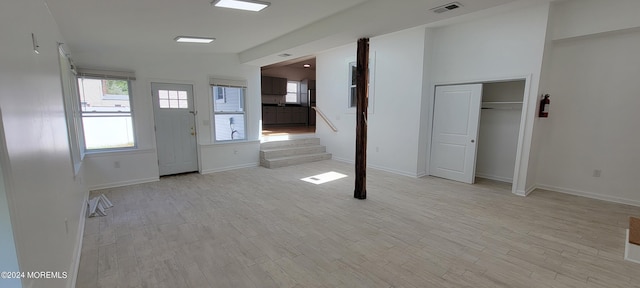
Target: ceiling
x,y
95,27
91,25
297,63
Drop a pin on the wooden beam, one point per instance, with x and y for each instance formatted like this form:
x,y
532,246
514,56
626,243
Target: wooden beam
x,y
362,103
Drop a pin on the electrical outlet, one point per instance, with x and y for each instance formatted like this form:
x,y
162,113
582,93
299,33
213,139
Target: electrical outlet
x,y
235,151
377,149
597,173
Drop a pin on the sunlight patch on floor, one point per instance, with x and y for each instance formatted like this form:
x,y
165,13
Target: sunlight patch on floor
x,y
324,178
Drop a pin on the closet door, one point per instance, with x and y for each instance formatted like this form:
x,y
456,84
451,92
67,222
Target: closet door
x,y
456,115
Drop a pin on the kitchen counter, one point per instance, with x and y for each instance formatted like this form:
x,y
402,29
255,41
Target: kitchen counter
x,y
288,114
286,105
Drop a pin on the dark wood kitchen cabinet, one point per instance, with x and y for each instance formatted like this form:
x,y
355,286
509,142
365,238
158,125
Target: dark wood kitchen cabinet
x,y
273,85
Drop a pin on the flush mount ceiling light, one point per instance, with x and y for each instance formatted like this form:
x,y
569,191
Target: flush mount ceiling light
x,y
248,5
191,39
307,65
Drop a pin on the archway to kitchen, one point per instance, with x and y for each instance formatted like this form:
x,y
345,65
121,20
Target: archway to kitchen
x,y
288,98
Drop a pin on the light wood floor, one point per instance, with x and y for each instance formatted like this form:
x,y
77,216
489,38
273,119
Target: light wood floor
x,y
261,227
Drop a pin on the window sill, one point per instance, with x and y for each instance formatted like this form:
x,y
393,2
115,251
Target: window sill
x,y
117,152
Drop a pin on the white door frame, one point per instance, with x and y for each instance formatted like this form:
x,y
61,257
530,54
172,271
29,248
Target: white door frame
x,y
195,116
528,115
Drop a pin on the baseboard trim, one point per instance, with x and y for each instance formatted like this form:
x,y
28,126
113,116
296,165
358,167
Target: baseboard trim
x,y
123,183
521,193
495,178
589,195
393,171
229,168
530,189
75,265
526,192
376,167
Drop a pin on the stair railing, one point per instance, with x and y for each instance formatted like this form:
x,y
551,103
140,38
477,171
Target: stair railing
x,y
326,120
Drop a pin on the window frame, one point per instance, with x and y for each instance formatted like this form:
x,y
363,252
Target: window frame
x,y
351,62
70,95
241,107
168,100
106,75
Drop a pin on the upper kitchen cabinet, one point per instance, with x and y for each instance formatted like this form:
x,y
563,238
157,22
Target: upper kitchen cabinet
x,y
266,85
274,86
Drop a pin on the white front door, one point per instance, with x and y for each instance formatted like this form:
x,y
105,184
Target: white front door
x,y
455,130
174,115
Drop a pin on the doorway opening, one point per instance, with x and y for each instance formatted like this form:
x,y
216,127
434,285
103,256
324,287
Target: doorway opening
x,y
476,131
288,94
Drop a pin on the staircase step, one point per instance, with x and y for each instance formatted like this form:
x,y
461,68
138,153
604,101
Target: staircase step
x,y
289,143
291,151
294,160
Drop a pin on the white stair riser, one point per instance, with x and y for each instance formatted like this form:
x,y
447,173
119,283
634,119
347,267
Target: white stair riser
x,y
290,143
277,163
292,151
278,154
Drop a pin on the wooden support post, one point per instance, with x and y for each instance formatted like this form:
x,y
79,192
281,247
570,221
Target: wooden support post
x,y
362,103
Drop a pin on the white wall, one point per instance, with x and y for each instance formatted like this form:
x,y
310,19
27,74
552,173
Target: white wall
x,y
174,68
504,46
47,202
593,118
393,129
499,130
579,18
591,101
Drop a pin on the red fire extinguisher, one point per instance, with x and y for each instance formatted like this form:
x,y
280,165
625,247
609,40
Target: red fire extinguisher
x,y
544,106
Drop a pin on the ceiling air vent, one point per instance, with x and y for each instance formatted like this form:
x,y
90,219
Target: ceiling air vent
x,y
447,7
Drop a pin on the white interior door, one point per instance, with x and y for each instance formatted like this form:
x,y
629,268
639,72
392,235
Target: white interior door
x,y
455,130
174,115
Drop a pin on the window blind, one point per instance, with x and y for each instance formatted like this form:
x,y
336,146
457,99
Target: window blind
x,y
106,74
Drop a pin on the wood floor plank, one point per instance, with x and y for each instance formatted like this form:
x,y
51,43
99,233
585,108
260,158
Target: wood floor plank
x,y
258,227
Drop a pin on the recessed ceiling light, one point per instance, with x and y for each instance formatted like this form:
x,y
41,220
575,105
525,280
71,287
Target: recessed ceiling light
x,y
307,65
248,5
190,39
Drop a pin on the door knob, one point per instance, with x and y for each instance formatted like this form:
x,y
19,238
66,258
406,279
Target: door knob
x,y
473,141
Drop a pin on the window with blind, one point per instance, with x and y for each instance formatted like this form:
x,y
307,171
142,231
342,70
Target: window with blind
x,y
229,113
107,115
